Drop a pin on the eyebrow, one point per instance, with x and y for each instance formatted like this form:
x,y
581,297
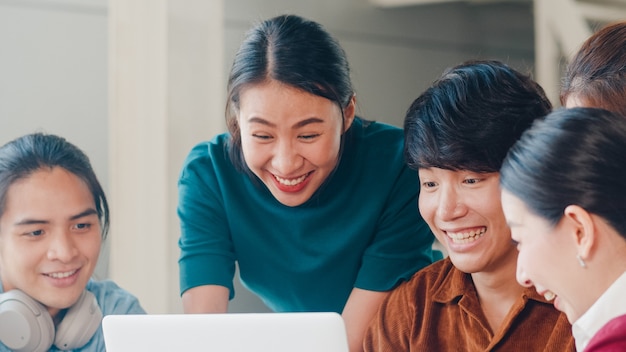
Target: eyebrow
x,y
28,221
300,124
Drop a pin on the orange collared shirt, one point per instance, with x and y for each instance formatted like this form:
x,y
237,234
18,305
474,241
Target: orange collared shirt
x,y
438,310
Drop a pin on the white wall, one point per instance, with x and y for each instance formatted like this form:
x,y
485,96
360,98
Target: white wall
x,y
53,75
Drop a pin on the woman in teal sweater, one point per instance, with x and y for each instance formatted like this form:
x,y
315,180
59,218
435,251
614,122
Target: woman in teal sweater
x,y
316,205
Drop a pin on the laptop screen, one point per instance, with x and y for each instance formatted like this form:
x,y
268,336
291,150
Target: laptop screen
x,y
233,332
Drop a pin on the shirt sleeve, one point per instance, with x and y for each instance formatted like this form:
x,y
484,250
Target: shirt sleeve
x,y
207,254
114,299
403,241
390,328
611,337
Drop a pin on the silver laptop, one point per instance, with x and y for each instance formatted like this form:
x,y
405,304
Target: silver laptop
x,y
233,332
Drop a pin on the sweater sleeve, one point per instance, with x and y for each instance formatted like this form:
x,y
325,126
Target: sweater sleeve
x,y
207,255
403,241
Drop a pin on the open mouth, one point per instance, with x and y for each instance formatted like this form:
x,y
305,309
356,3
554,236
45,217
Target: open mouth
x,y
290,182
549,296
466,236
62,275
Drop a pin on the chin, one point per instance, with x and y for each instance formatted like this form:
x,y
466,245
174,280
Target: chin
x,y
466,263
291,203
571,317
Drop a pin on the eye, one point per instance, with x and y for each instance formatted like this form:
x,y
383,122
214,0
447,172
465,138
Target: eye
x,y
472,181
82,227
515,243
35,233
263,137
429,184
308,137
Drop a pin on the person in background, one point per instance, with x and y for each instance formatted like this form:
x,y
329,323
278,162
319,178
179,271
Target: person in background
x,y
564,197
316,205
53,219
596,76
456,135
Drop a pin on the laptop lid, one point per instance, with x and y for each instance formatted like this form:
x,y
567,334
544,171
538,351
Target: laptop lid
x,y
233,332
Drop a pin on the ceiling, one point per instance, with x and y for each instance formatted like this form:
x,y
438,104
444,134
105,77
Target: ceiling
x,y
397,3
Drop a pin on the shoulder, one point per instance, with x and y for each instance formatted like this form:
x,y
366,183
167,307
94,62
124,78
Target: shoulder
x,y
377,132
208,158
216,147
113,299
424,284
377,147
611,337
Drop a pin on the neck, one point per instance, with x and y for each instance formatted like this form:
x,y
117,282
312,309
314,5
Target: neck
x,y
56,314
490,286
499,282
498,291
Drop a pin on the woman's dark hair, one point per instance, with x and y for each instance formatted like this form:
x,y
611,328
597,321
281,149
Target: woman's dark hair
x,y
291,50
597,74
26,155
574,157
470,117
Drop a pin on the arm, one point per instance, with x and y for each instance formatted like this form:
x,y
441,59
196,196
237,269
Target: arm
x,y
357,314
207,261
206,299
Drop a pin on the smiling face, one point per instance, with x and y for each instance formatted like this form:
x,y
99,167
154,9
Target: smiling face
x,y
49,237
463,210
547,257
290,138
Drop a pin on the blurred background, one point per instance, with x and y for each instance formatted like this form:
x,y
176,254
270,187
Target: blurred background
x,y
136,83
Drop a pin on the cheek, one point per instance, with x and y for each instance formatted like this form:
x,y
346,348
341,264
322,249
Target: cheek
x,y
535,262
253,154
91,247
323,153
16,261
427,205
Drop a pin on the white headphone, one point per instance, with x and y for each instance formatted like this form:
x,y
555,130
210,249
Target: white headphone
x,y
26,325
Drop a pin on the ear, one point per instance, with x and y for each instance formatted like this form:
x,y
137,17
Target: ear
x,y
585,230
349,112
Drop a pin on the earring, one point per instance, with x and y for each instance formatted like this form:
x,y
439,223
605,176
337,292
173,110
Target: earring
x,y
581,261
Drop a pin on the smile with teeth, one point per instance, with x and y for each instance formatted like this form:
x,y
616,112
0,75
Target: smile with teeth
x,y
62,275
291,182
549,296
467,236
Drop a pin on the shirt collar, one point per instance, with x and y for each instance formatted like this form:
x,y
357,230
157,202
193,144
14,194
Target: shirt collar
x,y
458,284
611,304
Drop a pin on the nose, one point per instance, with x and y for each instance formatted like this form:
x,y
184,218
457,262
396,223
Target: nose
x,y
62,247
286,158
450,205
522,278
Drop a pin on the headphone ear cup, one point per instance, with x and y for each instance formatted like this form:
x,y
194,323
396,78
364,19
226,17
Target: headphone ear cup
x,y
80,323
25,324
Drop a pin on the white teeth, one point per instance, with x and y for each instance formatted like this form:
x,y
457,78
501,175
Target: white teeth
x,y
549,296
62,275
465,237
292,182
